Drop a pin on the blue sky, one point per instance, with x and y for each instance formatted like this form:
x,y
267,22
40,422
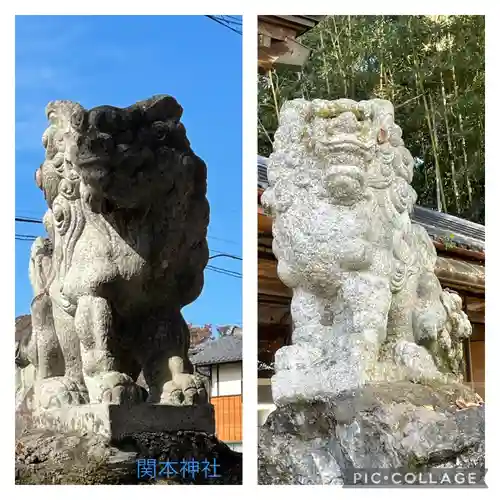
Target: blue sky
x,y
119,60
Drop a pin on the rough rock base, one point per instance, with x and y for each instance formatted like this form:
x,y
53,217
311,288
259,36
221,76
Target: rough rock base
x,y
50,457
396,425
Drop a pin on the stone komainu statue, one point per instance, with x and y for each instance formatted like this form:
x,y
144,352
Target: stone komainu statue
x,y
127,220
366,304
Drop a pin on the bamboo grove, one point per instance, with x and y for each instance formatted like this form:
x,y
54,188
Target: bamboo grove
x,y
430,67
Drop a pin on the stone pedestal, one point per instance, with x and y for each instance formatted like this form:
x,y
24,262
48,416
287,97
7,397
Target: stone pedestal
x,y
397,425
115,422
102,444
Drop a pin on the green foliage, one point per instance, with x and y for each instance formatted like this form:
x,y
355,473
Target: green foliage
x,y
430,67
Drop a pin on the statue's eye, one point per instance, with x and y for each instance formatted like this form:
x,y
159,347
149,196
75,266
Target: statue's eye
x,y
160,130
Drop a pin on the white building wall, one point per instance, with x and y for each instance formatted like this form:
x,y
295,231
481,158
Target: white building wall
x,y
226,379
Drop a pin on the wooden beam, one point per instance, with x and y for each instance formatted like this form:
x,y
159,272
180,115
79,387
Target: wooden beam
x,y
265,222
274,31
461,252
299,24
281,53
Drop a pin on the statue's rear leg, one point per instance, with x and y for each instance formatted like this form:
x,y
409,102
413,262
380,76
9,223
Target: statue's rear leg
x,y
104,365
166,366
64,385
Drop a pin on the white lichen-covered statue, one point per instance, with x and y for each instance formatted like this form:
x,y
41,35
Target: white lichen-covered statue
x,y
366,304
127,221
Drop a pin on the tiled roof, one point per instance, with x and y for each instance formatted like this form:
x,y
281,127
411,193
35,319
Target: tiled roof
x,y
227,349
440,226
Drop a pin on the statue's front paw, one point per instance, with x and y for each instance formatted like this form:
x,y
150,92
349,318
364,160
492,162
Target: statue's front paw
x,y
416,360
185,389
115,388
58,392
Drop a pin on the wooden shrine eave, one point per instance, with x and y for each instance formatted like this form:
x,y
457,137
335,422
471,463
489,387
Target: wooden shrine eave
x,y
277,44
291,26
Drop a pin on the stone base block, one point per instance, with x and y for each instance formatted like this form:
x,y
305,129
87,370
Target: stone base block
x,y
114,421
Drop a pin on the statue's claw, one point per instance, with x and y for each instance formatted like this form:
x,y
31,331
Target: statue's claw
x,y
185,389
115,388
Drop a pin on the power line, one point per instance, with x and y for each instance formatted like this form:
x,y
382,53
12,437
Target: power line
x,y
231,20
226,23
223,22
29,219
33,220
25,237
230,256
222,239
39,221
220,270
226,272
234,18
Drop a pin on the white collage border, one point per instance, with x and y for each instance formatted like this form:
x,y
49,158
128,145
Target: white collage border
x,y
249,9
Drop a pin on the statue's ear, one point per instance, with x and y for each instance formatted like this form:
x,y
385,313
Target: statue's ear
x,y
383,135
38,177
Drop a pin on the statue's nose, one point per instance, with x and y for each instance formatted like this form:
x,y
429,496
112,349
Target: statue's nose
x,y
346,122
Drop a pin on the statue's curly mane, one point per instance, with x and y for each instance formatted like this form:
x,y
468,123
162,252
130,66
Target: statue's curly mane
x,y
304,130
347,158
133,167
108,147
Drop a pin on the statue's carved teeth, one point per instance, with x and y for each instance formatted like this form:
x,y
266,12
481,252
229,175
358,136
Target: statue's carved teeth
x,y
347,143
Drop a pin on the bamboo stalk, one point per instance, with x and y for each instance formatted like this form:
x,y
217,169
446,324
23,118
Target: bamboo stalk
x,y
420,88
349,40
408,101
324,63
391,75
268,137
276,107
450,148
380,77
338,54
381,58
464,148
436,150
439,196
